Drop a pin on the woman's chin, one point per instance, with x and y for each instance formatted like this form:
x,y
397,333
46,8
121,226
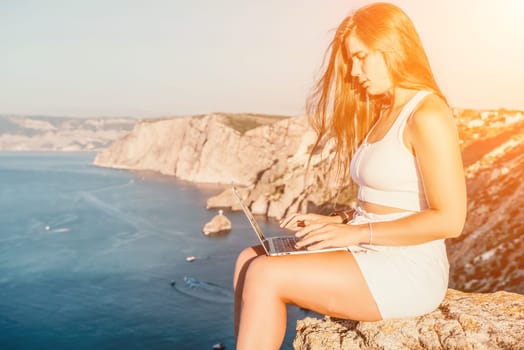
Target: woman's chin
x,y
375,92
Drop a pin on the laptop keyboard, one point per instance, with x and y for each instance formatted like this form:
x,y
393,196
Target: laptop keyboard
x,y
285,244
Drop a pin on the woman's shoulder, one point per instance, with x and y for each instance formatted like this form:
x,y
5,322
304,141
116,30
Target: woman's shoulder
x,y
432,115
432,109
432,104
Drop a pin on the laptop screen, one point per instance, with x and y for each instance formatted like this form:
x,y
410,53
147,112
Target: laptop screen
x,y
251,219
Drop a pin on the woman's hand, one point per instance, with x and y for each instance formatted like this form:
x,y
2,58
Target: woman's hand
x,y
298,221
327,235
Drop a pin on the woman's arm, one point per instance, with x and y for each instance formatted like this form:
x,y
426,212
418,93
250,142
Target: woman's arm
x,y
432,135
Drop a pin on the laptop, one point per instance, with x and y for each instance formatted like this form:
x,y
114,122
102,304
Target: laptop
x,y
277,246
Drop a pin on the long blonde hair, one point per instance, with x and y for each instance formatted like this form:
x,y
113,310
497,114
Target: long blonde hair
x,y
338,107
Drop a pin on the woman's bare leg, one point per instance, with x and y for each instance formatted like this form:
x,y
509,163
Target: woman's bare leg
x,y
241,266
327,283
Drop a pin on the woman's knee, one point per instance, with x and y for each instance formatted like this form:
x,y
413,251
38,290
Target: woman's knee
x,y
243,260
260,275
245,257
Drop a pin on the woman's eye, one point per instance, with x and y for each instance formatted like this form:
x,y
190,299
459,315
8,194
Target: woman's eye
x,y
362,56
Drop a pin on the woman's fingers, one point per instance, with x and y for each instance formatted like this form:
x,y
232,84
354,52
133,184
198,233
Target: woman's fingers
x,y
289,221
308,229
318,236
295,221
311,234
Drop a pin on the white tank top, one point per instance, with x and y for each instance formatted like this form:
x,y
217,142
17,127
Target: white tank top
x,y
386,171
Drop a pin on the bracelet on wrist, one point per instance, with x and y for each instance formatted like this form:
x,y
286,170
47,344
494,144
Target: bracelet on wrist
x,y
370,233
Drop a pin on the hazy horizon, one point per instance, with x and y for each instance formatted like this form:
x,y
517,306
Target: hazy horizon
x,y
162,58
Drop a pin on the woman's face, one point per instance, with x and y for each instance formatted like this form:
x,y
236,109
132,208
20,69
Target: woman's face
x,y
368,66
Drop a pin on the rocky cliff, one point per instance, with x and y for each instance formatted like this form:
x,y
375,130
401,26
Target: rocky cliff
x,y
41,133
488,256
217,148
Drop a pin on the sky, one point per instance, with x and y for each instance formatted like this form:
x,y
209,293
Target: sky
x,y
153,58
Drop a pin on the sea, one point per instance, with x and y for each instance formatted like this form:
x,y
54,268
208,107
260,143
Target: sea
x,y
99,258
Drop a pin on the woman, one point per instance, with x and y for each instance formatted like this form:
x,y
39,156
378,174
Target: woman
x,y
396,136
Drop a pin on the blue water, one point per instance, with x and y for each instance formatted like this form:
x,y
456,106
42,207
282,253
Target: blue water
x,y
94,258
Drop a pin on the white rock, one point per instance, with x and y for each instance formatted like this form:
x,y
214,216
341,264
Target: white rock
x,y
219,224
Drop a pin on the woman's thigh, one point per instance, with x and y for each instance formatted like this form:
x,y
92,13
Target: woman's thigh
x,y
328,283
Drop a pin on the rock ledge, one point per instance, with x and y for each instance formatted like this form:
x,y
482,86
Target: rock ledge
x,y
463,321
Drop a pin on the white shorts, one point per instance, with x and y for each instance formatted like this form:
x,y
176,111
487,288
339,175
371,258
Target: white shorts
x,y
405,281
